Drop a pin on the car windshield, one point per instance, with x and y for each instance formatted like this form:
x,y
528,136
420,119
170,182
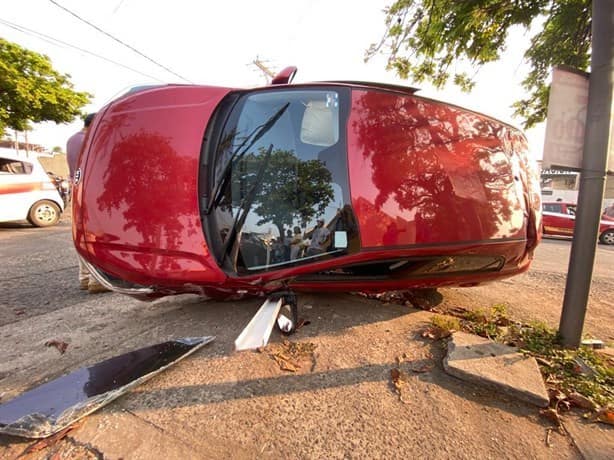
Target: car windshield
x,y
280,191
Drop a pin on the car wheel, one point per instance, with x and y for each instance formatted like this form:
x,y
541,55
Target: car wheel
x,y
44,213
607,237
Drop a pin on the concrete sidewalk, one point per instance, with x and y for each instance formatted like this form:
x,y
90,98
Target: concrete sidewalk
x,y
218,404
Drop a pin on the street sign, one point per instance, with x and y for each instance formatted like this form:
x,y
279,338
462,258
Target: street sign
x,y
566,120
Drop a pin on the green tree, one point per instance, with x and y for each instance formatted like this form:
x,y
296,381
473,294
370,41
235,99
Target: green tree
x,y
427,39
32,91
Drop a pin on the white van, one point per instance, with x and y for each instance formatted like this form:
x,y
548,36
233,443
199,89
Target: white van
x,y
26,191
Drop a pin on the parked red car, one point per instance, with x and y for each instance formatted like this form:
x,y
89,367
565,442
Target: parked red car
x,y
330,186
559,219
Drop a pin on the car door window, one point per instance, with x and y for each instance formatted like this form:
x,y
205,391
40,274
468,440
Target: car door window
x,y
10,166
553,207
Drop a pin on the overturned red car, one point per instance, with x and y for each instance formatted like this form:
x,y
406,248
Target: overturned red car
x,y
327,186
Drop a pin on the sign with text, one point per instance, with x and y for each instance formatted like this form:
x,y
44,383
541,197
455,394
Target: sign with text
x,y
566,120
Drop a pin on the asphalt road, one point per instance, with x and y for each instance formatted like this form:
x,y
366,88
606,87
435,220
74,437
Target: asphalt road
x,y
220,404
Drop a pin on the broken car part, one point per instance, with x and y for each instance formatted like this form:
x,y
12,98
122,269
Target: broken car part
x,y
258,330
53,406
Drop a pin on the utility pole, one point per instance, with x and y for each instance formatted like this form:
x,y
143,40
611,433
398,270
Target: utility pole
x,y
593,172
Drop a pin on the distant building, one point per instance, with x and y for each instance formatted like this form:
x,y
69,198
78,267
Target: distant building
x,y
22,146
563,185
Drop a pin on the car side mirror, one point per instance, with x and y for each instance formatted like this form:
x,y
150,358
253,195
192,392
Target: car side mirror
x,y
284,77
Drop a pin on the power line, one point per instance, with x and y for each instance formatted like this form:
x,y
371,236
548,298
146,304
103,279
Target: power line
x,y
56,41
117,39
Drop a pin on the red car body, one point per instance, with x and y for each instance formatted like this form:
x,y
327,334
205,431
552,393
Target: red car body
x,y
413,192
559,220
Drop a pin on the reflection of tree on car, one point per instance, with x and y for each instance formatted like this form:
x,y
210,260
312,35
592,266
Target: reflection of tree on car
x,y
290,190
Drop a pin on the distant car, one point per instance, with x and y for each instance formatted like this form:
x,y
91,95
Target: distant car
x,y
218,191
559,220
27,192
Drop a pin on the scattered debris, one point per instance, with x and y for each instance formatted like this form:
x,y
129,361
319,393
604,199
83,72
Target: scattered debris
x,y
603,415
290,356
548,432
542,361
582,367
424,299
581,401
55,405
50,441
552,415
60,345
593,343
399,379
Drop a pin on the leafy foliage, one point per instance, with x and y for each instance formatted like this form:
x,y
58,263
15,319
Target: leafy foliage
x,y
31,90
434,40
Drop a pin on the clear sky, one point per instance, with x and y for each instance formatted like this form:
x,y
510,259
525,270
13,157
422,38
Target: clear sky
x,y
213,42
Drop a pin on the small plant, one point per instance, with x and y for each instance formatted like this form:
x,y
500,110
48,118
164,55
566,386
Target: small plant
x,y
581,371
486,323
441,326
448,324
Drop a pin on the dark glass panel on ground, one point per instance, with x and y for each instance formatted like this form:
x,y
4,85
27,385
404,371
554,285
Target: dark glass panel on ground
x,y
55,405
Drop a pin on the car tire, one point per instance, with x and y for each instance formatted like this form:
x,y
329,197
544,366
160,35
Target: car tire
x,y
607,237
44,213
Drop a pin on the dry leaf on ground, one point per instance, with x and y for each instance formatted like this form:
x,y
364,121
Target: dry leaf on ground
x,y
289,355
603,415
399,380
578,400
552,415
60,345
51,440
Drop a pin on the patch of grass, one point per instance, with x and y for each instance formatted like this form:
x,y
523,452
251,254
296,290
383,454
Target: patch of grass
x,y
487,323
447,324
582,371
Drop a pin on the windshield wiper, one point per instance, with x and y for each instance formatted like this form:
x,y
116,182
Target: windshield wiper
x,y
257,133
246,204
